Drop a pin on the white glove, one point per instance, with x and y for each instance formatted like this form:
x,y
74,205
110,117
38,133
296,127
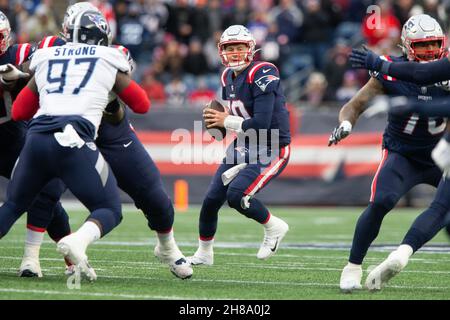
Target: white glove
x,y
340,132
9,72
441,155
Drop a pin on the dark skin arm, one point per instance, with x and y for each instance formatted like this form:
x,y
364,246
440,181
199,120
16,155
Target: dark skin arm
x,y
353,109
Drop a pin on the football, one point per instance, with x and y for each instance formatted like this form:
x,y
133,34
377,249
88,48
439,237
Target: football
x,y
217,133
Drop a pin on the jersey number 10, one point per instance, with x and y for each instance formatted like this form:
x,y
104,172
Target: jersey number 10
x,y
433,127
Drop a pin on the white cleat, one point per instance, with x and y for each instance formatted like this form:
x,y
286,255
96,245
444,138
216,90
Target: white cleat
x,y
385,271
202,257
351,278
70,270
178,264
272,238
30,268
71,249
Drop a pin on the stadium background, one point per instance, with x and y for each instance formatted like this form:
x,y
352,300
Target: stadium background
x,y
174,46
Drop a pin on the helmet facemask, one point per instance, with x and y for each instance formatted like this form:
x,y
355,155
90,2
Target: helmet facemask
x,y
417,49
236,37
236,59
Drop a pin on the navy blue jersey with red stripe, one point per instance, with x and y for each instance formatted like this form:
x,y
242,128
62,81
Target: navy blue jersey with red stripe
x,y
256,95
409,134
12,132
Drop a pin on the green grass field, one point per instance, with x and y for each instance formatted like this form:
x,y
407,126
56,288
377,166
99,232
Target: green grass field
x,y
307,266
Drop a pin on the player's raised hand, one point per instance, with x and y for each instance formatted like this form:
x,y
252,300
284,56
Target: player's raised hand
x,y
9,72
340,132
365,59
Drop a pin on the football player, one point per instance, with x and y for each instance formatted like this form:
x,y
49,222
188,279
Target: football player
x,y
13,138
256,104
71,84
135,171
427,224
407,141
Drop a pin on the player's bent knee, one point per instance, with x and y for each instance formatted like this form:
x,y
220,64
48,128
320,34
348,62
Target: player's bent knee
x,y
234,198
386,201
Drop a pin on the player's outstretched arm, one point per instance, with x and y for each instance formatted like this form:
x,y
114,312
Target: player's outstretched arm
x,y
26,103
131,93
351,111
419,73
439,107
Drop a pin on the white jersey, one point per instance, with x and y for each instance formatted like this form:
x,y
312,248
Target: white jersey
x,y
75,79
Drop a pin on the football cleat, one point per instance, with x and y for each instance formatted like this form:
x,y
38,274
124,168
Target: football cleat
x,y
351,278
272,238
202,257
172,256
30,268
386,270
70,270
71,249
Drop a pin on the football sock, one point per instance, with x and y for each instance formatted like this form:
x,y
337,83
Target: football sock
x,y
165,238
88,233
33,243
205,245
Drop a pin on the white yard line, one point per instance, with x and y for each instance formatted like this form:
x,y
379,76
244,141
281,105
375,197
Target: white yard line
x,y
93,294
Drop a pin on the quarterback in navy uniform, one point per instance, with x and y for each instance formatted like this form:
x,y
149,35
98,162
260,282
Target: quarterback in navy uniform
x,y
407,143
257,113
135,171
13,138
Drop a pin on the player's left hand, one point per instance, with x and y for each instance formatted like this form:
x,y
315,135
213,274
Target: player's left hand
x,y
9,72
340,132
441,155
214,118
365,59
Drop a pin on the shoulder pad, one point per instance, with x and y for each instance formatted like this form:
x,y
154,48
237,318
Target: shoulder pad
x,y
51,41
265,76
22,53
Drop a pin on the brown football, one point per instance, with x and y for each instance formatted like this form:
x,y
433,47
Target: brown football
x,y
218,133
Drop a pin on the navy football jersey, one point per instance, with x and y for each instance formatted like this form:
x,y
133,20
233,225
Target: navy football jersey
x,y
11,131
258,80
409,134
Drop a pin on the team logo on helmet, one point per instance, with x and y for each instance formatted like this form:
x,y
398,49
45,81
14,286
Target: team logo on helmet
x,y
98,20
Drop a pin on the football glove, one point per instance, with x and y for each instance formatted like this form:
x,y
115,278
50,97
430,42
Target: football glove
x,y
340,132
367,59
441,155
9,72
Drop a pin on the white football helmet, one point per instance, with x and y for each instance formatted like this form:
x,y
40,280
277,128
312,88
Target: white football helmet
x,y
421,28
73,11
5,33
233,35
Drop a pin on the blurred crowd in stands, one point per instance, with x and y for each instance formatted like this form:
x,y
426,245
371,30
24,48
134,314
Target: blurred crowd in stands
x,y
174,42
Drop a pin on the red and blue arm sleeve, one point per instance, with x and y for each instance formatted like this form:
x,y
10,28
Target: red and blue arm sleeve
x,y
25,105
135,97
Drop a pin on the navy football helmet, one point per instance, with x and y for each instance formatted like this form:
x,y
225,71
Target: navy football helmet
x,y
88,27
